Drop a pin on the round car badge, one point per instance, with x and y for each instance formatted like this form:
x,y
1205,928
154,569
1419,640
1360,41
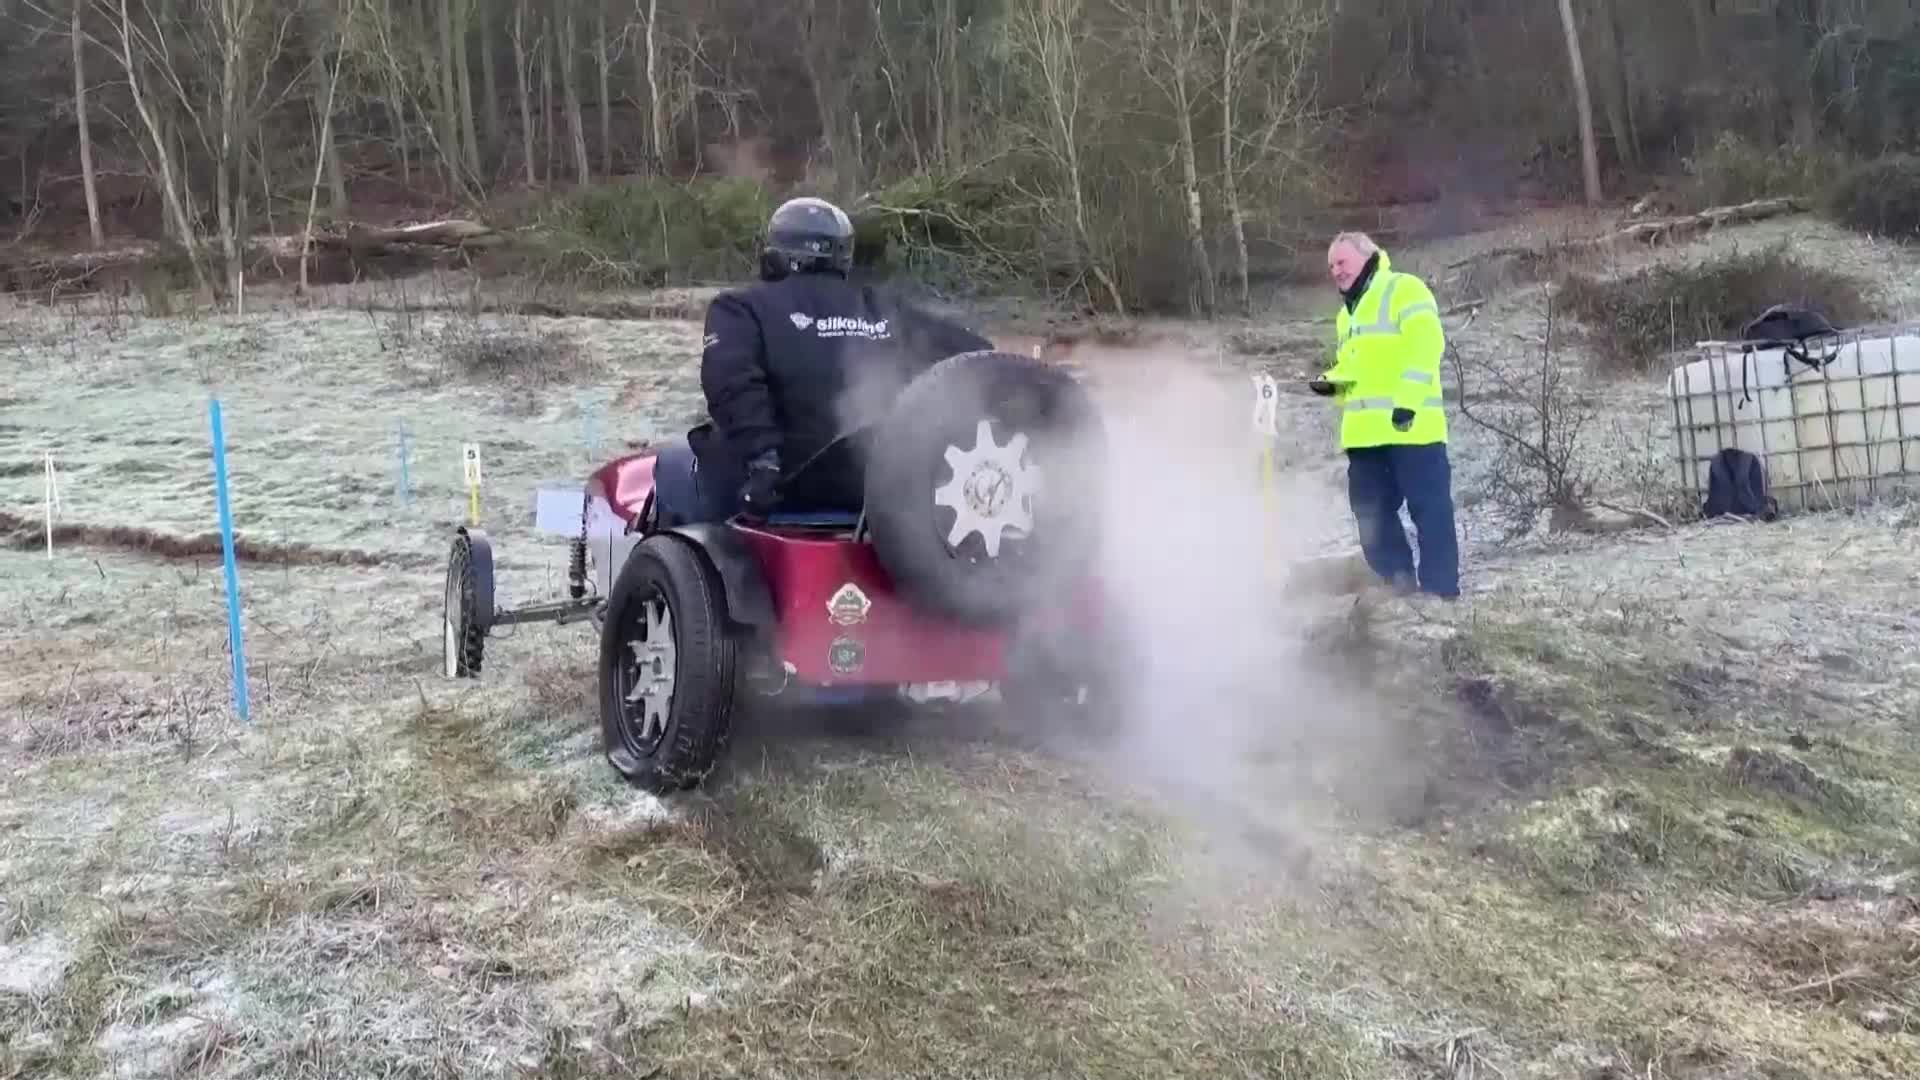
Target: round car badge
x,y
846,655
849,606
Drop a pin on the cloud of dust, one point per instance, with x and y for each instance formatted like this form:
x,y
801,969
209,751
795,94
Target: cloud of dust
x,y
1228,711
1228,717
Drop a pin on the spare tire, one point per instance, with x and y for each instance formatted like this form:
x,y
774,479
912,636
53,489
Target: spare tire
x,y
980,494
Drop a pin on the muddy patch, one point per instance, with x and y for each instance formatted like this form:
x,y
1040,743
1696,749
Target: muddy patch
x,y
24,534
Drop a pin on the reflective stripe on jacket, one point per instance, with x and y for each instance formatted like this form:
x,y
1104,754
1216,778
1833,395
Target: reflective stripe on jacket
x,y
1388,357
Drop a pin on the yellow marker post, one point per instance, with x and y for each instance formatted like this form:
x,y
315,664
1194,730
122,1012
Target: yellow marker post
x,y
471,456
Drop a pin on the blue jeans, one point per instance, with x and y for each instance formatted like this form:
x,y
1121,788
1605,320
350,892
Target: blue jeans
x,y
687,490
1379,480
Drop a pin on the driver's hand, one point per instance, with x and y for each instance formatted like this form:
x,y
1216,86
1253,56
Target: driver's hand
x,y
761,493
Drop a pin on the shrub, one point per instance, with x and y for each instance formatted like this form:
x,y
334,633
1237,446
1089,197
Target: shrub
x,y
1635,320
656,231
949,233
1733,170
1880,197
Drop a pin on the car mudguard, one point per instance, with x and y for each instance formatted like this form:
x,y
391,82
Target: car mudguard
x,y
744,589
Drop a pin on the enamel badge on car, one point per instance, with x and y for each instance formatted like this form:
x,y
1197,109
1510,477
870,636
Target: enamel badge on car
x,y
846,655
849,606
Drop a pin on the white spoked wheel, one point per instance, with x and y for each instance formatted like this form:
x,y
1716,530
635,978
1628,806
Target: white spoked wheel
x,y
650,672
991,490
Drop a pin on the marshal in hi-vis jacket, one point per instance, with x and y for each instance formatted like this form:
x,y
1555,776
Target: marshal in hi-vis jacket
x,y
1388,351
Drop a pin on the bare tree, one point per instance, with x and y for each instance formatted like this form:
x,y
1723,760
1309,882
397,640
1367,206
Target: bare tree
x,y
1048,36
526,94
1168,43
1538,421
160,144
94,230
656,103
1265,105
326,140
1589,152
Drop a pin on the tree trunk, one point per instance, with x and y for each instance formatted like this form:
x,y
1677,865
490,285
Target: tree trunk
x,y
1702,31
94,230
546,92
942,70
1623,71
463,95
326,140
526,94
1589,153
1189,165
228,186
1613,85
1229,166
489,74
1056,27
449,120
328,155
606,92
1797,30
656,104
825,105
570,86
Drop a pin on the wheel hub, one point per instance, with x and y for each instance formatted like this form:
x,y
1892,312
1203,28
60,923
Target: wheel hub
x,y
991,490
651,670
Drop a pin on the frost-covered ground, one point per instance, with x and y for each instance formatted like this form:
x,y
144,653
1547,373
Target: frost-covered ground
x,y
1643,807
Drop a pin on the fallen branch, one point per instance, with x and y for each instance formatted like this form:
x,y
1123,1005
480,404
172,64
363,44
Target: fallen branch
x,y
1656,231
1663,230
1635,511
449,234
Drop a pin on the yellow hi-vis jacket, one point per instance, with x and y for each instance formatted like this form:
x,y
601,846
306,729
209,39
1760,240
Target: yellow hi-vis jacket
x,y
1387,357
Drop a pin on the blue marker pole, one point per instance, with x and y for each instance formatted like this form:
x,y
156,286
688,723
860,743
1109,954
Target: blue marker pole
x,y
234,644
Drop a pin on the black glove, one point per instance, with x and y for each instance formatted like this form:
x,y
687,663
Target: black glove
x,y
761,493
1402,419
1321,387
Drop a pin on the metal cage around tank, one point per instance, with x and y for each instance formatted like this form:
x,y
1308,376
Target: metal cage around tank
x,y
1835,418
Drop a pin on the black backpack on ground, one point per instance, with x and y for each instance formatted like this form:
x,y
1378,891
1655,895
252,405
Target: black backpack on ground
x,y
1737,484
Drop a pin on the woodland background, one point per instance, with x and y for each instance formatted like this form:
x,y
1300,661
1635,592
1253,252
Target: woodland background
x,y
1123,155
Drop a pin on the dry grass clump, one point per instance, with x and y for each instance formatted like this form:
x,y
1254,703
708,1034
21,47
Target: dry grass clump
x,y
522,356
1636,320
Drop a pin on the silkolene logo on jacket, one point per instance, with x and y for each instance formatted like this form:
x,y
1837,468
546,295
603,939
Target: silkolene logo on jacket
x,y
836,326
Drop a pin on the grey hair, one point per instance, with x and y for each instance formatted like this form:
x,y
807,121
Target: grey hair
x,y
1358,241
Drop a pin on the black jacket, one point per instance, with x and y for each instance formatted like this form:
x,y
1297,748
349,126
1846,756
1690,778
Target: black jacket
x,y
791,365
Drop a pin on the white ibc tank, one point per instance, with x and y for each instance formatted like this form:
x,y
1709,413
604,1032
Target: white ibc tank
x,y
1831,429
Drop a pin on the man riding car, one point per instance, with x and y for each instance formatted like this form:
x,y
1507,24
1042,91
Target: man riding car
x,y
790,365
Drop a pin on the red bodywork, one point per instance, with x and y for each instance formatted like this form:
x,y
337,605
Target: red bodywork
x,y
893,644
804,567
625,483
